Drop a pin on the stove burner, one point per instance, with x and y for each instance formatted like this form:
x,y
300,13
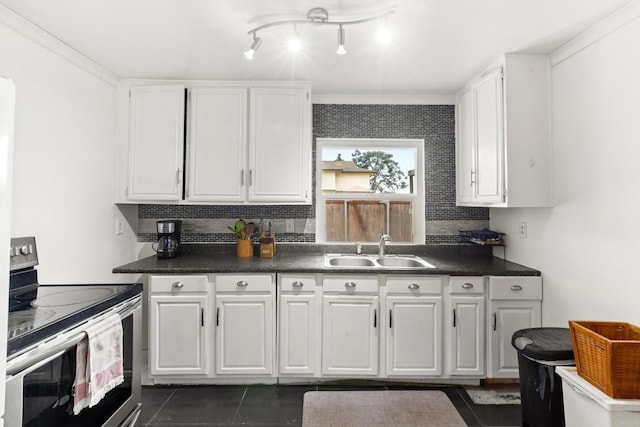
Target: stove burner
x,y
26,320
76,296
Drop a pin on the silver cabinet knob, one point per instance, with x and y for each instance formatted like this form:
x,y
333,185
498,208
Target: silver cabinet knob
x,y
177,285
242,284
349,285
467,285
297,284
516,288
414,286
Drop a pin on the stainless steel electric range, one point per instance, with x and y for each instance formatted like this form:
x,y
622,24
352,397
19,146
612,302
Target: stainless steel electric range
x,y
45,325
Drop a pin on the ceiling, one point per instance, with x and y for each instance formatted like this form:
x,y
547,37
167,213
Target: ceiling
x,y
437,44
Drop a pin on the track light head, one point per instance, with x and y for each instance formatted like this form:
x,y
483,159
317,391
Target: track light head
x,y
295,44
341,50
257,41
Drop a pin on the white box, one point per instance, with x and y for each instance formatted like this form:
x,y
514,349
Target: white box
x,y
586,406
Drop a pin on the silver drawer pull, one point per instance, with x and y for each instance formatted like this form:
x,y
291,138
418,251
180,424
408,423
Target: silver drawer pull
x,y
349,285
297,284
467,285
516,288
242,284
414,286
177,285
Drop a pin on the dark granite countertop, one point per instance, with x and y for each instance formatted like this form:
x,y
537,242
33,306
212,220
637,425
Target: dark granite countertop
x,y
454,260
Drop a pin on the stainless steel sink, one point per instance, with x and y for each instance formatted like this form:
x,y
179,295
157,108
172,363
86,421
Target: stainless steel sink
x,y
374,261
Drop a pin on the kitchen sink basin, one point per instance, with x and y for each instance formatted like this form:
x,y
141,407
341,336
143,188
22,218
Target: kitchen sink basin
x,y
403,262
349,261
375,261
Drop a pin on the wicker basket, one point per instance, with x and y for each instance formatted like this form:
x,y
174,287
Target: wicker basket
x,y
608,356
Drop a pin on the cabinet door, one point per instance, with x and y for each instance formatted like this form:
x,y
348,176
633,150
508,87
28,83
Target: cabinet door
x,y
280,145
489,174
297,334
156,142
414,335
467,336
465,147
217,144
350,335
244,338
178,335
507,317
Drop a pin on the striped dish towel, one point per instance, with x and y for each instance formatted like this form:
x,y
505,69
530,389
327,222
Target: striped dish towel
x,y
99,366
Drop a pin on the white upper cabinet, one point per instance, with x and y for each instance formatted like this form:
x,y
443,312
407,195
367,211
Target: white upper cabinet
x,y
503,135
279,145
465,147
488,176
244,144
216,144
156,130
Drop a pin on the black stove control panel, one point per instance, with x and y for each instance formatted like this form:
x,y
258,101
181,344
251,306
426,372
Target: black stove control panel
x,y
22,253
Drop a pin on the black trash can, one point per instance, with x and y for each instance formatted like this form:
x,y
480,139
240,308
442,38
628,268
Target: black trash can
x,y
540,350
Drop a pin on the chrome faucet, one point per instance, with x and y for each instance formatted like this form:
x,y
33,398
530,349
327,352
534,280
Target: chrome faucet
x,y
383,239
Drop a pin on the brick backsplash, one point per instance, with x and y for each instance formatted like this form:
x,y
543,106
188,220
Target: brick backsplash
x,y
433,123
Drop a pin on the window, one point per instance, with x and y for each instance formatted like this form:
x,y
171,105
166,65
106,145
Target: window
x,y
369,187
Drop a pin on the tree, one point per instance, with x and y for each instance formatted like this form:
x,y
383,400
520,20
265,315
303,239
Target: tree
x,y
389,177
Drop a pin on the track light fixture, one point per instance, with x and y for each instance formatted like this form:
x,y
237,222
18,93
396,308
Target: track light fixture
x,y
315,16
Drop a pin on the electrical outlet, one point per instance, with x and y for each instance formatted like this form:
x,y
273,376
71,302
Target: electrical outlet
x,y
523,230
289,225
119,226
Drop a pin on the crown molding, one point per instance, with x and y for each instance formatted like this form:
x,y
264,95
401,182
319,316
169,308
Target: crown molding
x,y
326,98
616,20
36,34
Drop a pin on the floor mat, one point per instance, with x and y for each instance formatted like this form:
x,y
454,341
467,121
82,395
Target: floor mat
x,y
494,397
397,408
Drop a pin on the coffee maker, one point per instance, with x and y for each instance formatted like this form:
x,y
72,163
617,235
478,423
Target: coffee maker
x,y
168,244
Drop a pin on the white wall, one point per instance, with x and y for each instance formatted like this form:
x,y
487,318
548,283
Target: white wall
x,y
588,245
64,164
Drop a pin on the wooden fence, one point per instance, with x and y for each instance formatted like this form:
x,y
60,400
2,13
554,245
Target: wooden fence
x,y
365,220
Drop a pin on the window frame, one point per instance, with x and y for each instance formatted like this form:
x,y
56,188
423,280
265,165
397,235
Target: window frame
x,y
417,198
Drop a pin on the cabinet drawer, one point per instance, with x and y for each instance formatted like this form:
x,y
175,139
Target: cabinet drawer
x,y
515,288
179,284
466,285
414,285
297,283
244,283
351,284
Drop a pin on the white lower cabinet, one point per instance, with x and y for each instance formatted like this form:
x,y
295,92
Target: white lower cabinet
x,y
413,326
245,323
514,303
178,326
350,323
298,325
465,326
226,328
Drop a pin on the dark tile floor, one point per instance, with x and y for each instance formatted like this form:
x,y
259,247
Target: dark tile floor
x,y
281,405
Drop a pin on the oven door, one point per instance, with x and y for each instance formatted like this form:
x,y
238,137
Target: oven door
x,y
39,385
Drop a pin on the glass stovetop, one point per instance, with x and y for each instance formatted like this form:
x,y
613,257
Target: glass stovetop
x,y
58,307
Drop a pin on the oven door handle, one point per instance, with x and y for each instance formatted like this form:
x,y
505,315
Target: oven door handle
x,y
24,370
